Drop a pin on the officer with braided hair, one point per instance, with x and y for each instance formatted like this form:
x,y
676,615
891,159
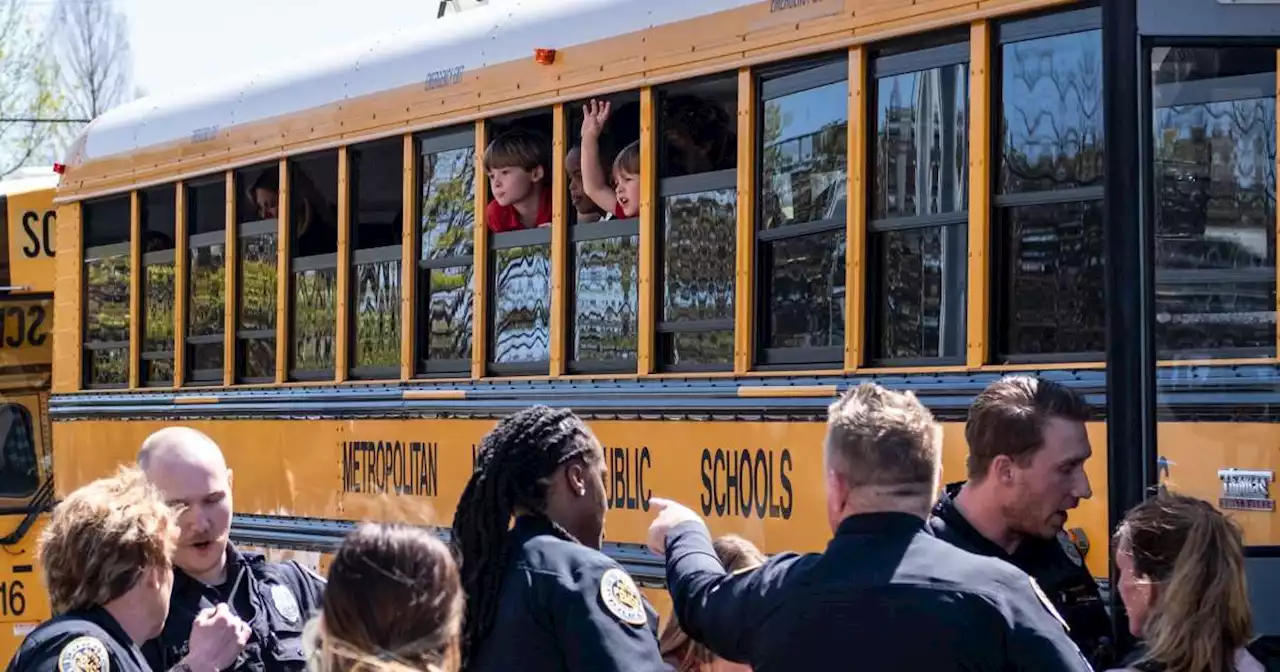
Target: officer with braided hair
x,y
541,595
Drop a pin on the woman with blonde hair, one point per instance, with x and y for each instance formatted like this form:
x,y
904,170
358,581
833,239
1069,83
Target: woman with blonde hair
x,y
1182,580
394,602
678,649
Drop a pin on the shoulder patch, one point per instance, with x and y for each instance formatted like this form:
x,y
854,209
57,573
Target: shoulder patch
x,y
1069,547
285,603
1044,599
622,598
84,654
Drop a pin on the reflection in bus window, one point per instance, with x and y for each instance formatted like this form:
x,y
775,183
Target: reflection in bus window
x,y
376,192
18,474
1048,272
522,316
697,223
257,231
446,243
313,216
1214,148
206,270
918,243
803,183
106,279
157,211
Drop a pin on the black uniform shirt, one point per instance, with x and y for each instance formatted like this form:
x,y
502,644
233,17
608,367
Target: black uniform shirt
x,y
884,596
564,606
79,641
275,599
1056,566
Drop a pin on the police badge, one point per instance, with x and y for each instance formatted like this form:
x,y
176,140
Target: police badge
x,y
84,654
622,598
285,603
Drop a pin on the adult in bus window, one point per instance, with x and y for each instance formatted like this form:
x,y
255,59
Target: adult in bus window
x,y
885,595
393,604
540,594
106,556
1027,450
310,219
276,599
1182,580
736,555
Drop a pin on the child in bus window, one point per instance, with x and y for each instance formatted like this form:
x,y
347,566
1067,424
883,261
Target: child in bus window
x,y
586,208
516,163
623,200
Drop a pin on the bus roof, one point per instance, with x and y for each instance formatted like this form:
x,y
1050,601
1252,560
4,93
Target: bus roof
x,y
24,180
501,32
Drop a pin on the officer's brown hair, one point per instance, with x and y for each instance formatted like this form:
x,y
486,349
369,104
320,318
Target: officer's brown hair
x,y
393,601
103,539
886,439
1008,418
513,469
677,648
1195,555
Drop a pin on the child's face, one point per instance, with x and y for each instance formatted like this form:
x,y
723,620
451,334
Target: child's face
x,y
628,191
512,184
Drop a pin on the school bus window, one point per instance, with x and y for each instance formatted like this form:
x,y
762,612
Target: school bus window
x,y
519,163
604,190
257,237
313,217
206,273
159,218
1215,219
697,222
106,279
446,235
1047,237
376,174
803,139
918,234
18,474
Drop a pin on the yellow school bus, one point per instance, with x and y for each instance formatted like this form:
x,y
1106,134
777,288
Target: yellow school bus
x,y
300,264
28,220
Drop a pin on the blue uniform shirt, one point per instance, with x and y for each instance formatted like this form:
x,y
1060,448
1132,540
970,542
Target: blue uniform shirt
x,y
885,595
564,606
79,641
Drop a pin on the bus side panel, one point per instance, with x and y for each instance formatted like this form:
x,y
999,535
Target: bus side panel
x,y
24,602
760,480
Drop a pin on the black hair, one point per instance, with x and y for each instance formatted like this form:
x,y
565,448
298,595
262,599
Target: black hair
x,y
512,467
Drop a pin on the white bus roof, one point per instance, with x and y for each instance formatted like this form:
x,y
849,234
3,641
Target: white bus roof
x,y
24,180
501,32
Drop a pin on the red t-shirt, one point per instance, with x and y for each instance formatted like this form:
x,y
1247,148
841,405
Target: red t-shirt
x,y
500,218
618,212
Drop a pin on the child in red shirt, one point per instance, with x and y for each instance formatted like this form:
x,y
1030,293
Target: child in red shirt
x,y
516,163
623,199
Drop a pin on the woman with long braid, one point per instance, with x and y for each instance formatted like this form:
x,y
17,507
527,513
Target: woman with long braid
x,y
540,594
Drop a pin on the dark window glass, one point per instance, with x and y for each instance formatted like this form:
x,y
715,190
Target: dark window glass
x,y
376,173
699,255
106,283
448,203
107,304
207,300
314,319
158,216
1214,150
921,142
606,298
19,475
697,348
158,293
919,286
107,222
521,293
805,157
448,300
806,289
377,316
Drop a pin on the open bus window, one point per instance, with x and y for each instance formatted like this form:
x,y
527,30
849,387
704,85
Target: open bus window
x,y
605,241
918,230
445,251
1214,150
206,278
157,209
257,239
106,282
19,476
697,223
376,192
520,284
313,231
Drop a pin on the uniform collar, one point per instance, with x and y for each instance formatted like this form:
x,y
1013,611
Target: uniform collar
x,y
882,523
103,618
950,514
235,559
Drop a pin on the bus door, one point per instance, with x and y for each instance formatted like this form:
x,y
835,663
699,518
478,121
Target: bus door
x,y
26,491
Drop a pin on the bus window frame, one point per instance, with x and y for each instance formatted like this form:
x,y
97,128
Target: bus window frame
x,y
317,262
357,257
125,249
27,418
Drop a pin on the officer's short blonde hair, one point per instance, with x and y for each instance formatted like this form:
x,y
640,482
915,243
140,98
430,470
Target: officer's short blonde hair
x,y
103,538
885,439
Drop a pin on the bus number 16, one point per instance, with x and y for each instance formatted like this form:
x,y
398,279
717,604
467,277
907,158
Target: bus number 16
x,y
12,600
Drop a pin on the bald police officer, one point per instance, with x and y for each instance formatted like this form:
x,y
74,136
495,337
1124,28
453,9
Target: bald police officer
x,y
275,599
106,555
885,595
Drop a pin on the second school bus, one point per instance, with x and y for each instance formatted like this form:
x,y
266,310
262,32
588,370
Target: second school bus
x,y
832,191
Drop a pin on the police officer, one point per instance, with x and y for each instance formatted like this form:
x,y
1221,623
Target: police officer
x,y
885,595
1027,450
275,599
106,556
541,596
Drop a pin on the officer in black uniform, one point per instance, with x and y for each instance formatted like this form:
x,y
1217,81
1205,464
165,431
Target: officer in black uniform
x,y
275,599
885,595
105,555
541,596
1027,449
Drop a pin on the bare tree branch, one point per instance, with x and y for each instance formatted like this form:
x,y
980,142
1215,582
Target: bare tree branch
x,y
27,90
96,65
